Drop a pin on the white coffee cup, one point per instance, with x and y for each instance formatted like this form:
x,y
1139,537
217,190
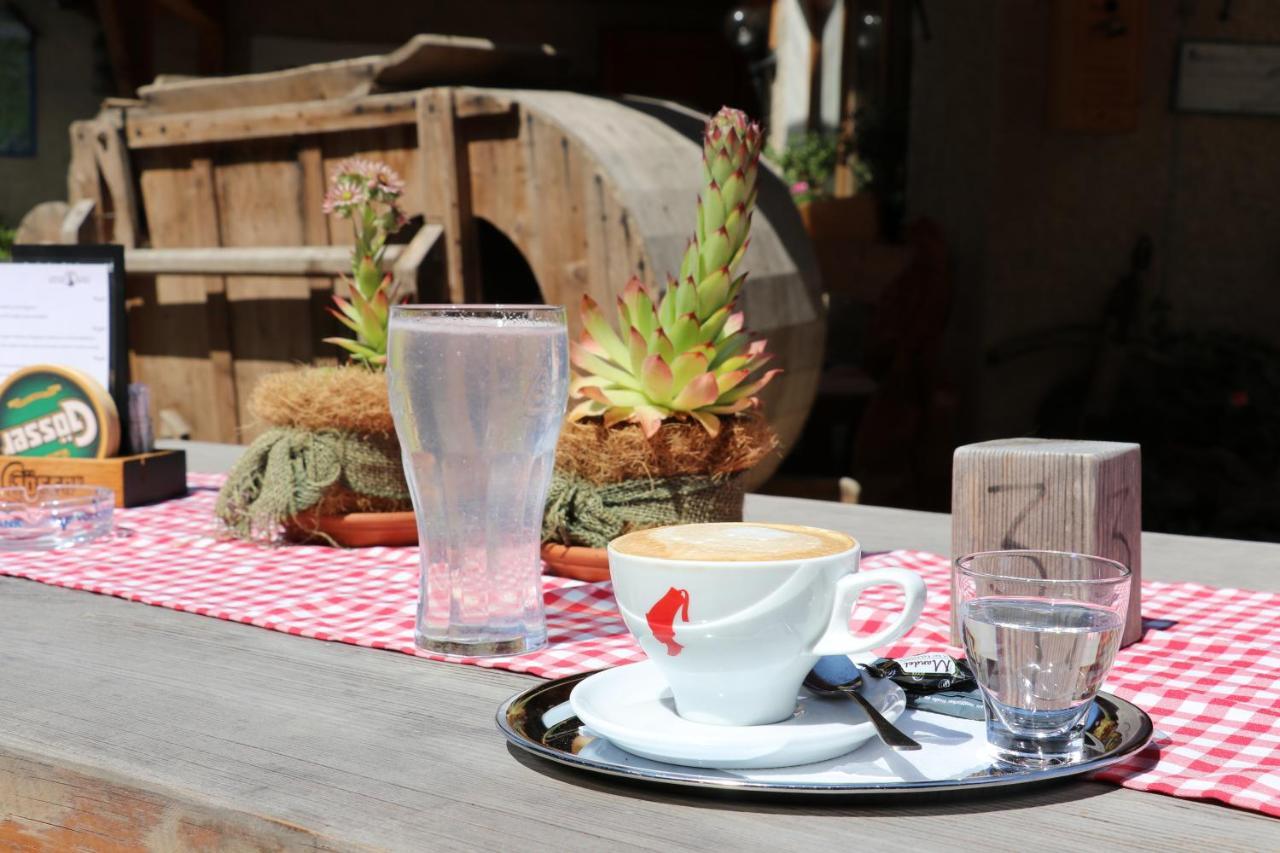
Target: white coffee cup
x,y
735,637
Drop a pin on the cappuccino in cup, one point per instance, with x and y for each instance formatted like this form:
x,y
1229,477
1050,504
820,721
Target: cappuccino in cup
x,y
734,543
734,615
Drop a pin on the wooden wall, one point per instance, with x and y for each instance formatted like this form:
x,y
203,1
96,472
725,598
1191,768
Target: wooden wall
x,y
202,342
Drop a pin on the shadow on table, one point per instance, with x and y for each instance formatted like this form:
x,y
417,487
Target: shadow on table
x,y
864,805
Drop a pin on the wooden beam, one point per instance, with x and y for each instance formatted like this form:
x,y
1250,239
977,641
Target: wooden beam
x,y
428,59
405,269
205,226
320,82
83,182
252,260
241,123
80,224
125,226
446,172
315,232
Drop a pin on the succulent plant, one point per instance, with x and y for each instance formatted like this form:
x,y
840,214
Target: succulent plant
x,y
367,193
686,354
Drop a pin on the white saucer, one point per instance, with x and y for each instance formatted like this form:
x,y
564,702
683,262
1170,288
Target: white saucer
x,y
631,706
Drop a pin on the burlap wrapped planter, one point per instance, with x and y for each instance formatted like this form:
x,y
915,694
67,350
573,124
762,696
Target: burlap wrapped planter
x,y
329,452
608,482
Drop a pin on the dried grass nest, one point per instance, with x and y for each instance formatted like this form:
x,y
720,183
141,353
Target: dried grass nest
x,y
680,448
350,398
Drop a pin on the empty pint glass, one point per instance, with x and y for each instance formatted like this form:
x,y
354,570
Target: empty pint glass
x,y
478,393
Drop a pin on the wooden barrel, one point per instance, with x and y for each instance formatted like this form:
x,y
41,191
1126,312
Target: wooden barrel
x,y
589,191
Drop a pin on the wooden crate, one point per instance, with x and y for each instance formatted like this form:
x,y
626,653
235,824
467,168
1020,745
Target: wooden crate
x,y
139,479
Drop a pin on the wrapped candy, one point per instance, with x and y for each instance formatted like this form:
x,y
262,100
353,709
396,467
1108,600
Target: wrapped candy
x,y
934,682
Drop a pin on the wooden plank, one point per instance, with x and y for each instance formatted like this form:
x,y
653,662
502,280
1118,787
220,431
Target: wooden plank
x,y
446,179
407,265
260,198
260,723
177,323
247,260
320,81
83,182
57,807
121,206
272,120
315,232
217,319
80,223
431,60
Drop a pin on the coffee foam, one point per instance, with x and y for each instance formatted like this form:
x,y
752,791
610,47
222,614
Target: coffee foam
x,y
734,542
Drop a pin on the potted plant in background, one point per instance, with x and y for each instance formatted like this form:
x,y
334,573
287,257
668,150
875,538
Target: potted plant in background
x,y
668,417
808,163
328,468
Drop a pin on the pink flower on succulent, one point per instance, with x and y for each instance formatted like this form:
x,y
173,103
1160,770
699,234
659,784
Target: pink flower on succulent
x,y
799,187
346,192
355,166
385,180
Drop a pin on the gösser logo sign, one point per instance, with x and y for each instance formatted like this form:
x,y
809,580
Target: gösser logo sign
x,y
54,411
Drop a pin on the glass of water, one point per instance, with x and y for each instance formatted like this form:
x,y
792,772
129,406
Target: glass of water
x,y
478,393
1041,629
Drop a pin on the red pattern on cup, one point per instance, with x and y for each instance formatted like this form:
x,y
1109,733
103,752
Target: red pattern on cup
x,y
662,617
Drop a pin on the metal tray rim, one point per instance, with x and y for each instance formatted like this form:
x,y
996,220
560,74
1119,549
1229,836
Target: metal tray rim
x,y
1131,745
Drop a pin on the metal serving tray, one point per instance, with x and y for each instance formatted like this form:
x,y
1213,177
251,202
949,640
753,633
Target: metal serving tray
x,y
540,721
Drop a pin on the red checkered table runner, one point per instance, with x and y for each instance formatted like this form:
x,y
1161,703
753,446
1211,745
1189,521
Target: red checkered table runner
x,y
1208,669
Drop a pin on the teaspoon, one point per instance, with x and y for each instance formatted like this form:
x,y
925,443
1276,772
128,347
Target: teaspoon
x,y
836,674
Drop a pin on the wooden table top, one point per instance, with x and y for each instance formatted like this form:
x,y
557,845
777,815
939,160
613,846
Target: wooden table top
x,y
126,726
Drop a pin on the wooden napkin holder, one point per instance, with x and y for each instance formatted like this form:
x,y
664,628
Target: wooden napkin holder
x,y
139,479
1058,495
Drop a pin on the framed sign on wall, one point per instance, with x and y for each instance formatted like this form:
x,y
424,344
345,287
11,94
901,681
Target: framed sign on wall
x,y
1227,78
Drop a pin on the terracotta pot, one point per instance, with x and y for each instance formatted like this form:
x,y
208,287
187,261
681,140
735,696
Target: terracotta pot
x,y
355,529
854,218
571,561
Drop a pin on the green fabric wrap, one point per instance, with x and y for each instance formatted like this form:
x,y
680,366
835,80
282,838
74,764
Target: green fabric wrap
x,y
287,471
580,512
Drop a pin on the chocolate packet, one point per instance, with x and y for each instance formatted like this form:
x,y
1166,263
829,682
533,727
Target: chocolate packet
x,y
935,682
930,672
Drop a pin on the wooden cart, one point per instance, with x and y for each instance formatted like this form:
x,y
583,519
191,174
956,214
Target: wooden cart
x,y
214,187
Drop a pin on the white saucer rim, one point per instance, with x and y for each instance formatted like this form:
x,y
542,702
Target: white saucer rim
x,y
712,744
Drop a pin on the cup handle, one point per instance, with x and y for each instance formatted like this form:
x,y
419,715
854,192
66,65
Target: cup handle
x,y
837,640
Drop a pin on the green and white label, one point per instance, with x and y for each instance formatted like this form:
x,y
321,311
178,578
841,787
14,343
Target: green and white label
x,y
49,411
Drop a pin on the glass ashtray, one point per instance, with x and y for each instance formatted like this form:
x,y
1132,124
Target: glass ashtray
x,y
53,516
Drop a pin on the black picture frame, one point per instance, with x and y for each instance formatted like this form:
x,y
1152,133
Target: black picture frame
x,y
118,345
